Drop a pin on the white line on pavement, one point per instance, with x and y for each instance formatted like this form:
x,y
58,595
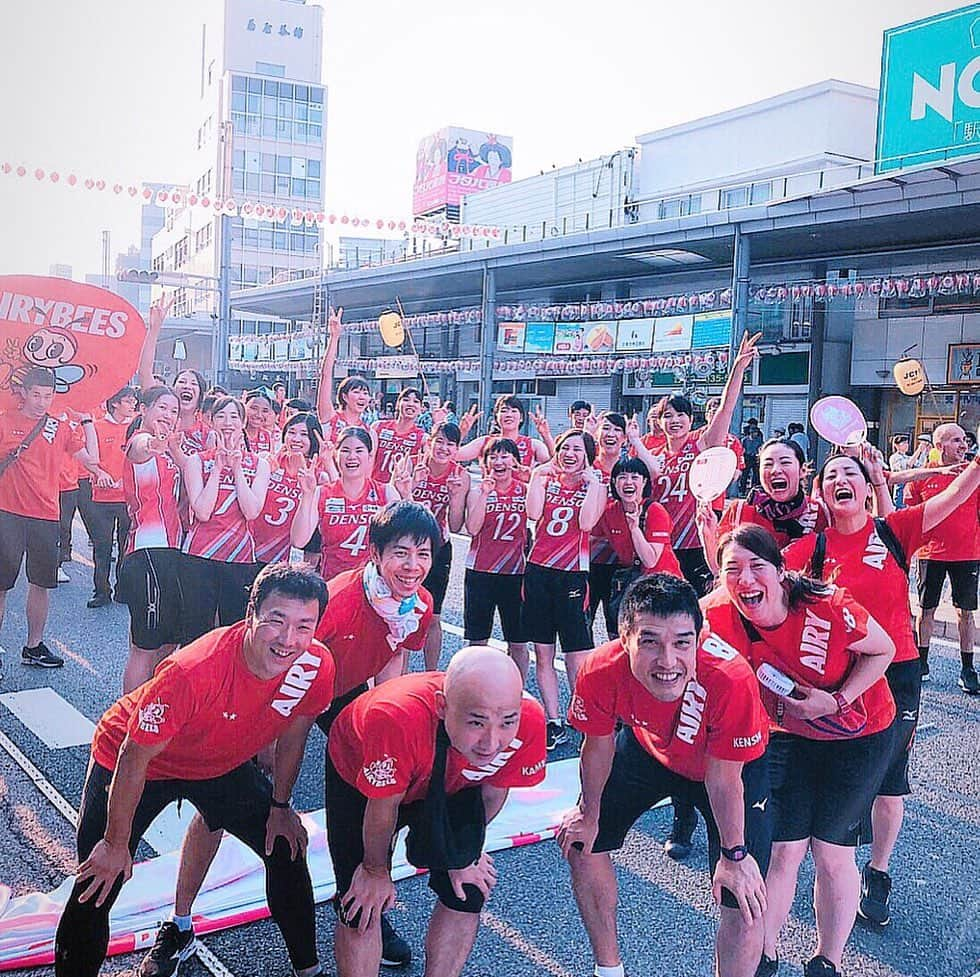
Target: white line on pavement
x,y
51,718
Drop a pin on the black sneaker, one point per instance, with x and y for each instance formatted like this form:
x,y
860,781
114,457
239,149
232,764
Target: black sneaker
x,y
172,947
875,888
968,680
99,600
41,656
926,677
555,735
395,952
820,967
678,844
767,967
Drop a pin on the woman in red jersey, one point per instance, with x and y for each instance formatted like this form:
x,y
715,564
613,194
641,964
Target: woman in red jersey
x,y
353,394
510,414
260,422
831,726
870,557
272,529
566,497
440,485
496,519
226,488
670,486
149,577
342,509
398,437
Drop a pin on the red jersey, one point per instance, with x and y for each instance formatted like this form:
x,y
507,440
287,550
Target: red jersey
x,y
68,476
861,562
111,436
811,518
271,530
525,448
206,695
499,545
336,426
671,490
601,552
344,526
29,486
152,491
194,440
262,440
957,537
358,637
384,743
720,714
810,646
226,537
656,529
390,445
655,442
560,543
433,493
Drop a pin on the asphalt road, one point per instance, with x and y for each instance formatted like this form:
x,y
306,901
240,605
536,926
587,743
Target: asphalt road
x,y
531,927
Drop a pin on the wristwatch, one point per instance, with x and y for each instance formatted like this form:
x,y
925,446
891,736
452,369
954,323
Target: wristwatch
x,y
735,854
282,805
842,703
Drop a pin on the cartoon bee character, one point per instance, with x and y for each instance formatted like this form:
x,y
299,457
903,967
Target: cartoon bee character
x,y
54,348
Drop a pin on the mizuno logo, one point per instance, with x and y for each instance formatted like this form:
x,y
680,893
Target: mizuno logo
x,y
761,805
909,715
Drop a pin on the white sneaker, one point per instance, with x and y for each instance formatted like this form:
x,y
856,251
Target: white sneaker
x,y
63,575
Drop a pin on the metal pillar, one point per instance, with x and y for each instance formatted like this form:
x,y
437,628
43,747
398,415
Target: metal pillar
x,y
488,338
741,261
220,358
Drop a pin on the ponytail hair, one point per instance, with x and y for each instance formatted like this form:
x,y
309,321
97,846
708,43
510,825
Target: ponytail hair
x,y
800,589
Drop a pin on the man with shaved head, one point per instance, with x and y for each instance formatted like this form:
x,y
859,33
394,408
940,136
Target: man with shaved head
x,y
953,550
437,751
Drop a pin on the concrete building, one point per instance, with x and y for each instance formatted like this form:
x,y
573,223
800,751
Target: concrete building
x,y
258,136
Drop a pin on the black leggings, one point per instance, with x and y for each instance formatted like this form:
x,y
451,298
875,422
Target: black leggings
x,y
110,522
237,801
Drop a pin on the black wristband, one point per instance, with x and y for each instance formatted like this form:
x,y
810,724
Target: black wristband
x,y
735,853
87,420
282,805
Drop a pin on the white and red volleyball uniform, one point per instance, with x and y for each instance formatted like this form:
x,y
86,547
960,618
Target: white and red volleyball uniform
x,y
499,545
672,491
433,493
271,529
226,537
152,491
262,440
391,445
336,426
195,439
560,543
344,525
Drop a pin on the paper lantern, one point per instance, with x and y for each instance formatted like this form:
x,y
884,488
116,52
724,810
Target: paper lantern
x,y
72,179
392,330
909,376
100,185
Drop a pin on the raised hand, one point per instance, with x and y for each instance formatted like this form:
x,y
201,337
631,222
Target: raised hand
x,y
747,351
632,428
467,421
306,478
335,323
591,423
160,310
439,412
540,423
458,484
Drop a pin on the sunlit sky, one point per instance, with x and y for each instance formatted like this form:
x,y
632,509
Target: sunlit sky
x,y
109,88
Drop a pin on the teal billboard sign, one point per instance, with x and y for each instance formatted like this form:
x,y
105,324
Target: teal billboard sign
x,y
929,106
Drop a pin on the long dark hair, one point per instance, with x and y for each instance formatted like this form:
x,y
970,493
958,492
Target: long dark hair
x,y
313,430
800,590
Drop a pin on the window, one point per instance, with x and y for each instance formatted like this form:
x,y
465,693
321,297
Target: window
x,y
181,252
761,192
238,83
202,238
266,68
313,168
255,85
735,197
298,167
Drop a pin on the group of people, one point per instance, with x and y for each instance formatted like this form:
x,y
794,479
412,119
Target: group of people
x,y
283,560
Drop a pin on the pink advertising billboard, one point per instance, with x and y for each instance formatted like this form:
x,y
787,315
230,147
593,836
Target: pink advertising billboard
x,y
454,162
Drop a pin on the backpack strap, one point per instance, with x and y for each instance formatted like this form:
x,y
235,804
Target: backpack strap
x,y
9,459
819,554
887,535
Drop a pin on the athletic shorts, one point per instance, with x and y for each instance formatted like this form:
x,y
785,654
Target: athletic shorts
x,y
149,581
39,539
695,569
212,587
905,681
437,581
484,593
638,781
555,603
824,789
345,807
963,577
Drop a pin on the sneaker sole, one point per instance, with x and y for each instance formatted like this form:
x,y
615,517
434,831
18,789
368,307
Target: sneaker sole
x,y
872,922
182,955
43,664
394,963
968,691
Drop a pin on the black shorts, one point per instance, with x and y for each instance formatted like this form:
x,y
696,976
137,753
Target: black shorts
x,y
345,807
484,593
149,581
696,570
963,576
824,789
39,539
555,603
437,580
637,781
211,587
905,681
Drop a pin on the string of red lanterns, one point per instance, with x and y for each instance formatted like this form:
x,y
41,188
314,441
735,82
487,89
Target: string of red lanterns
x,y
886,287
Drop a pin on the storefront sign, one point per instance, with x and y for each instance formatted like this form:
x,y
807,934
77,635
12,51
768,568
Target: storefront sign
x,y
539,337
570,338
673,333
510,337
635,335
964,363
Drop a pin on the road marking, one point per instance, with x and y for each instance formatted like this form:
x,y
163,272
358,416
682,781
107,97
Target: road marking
x,y
520,942
51,718
495,643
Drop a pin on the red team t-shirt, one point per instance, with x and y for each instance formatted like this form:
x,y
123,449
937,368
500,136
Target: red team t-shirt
x,y
390,445
813,519
671,490
499,545
111,436
559,541
29,486
213,713
656,529
384,742
861,562
271,529
226,537
601,551
344,524
358,637
152,491
810,646
719,715
956,538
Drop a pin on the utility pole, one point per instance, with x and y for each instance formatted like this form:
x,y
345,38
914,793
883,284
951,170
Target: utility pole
x,y
488,341
741,262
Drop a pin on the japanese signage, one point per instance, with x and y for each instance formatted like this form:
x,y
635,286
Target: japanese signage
x,y
964,363
673,332
635,335
510,337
